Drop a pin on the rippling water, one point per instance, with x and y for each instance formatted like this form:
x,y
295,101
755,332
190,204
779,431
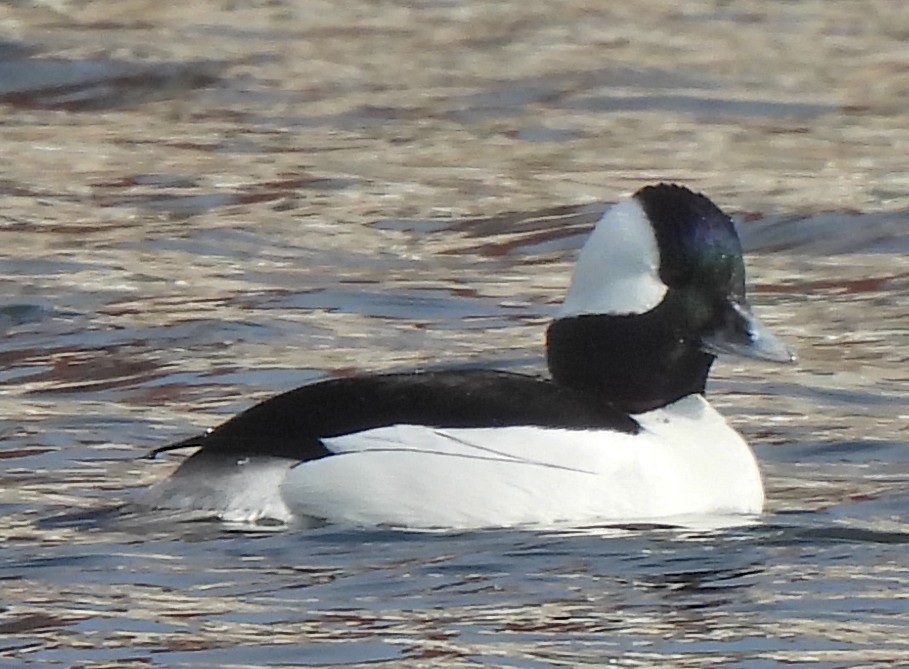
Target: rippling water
x,y
207,204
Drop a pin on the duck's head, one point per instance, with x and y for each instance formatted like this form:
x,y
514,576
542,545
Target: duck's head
x,y
657,293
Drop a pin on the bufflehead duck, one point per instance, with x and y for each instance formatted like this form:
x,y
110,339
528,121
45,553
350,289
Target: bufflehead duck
x,y
620,433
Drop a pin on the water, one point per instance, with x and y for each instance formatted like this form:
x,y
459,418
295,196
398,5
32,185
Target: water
x,y
211,203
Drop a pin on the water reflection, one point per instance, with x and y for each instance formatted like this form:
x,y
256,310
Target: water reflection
x,y
92,85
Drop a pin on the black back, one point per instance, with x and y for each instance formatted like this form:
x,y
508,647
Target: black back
x,y
292,424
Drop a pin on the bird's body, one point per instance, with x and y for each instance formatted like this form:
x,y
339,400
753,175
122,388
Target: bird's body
x,y
620,433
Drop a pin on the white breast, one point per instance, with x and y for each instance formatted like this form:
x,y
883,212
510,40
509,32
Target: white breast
x,y
687,461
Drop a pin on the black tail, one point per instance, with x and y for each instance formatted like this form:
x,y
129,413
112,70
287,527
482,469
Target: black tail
x,y
192,442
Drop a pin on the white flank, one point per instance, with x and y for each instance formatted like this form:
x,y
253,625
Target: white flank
x,y
618,269
686,462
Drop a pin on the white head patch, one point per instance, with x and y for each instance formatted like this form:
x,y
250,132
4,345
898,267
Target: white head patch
x,y
618,269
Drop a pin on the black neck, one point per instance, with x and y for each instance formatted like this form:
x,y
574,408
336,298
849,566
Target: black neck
x,y
637,363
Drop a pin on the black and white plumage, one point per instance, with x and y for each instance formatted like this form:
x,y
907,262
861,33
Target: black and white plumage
x,y
620,433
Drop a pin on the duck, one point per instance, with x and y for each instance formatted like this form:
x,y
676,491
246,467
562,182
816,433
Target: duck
x,y
619,431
